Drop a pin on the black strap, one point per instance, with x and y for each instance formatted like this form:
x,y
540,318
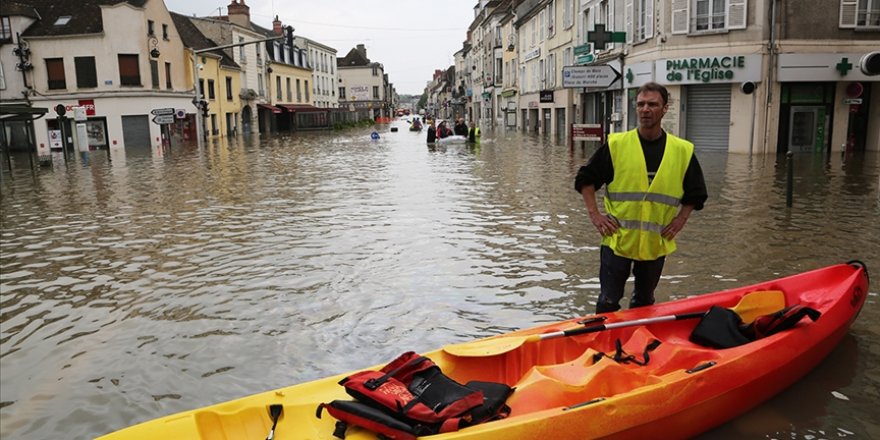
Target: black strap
x,y
372,384
339,431
622,357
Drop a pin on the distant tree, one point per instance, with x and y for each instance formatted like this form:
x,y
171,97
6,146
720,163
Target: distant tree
x,y
423,100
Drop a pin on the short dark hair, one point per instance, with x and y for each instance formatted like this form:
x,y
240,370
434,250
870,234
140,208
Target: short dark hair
x,y
655,87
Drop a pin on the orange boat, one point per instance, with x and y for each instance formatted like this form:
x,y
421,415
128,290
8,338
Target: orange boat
x,y
568,384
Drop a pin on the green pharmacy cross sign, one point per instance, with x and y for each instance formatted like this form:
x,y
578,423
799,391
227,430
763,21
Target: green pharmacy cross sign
x,y
844,66
600,37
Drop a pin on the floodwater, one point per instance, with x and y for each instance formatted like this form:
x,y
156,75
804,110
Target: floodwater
x,y
136,284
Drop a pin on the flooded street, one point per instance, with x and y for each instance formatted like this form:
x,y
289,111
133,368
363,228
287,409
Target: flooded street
x,y
137,284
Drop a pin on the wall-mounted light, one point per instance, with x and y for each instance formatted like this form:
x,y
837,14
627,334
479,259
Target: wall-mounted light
x,y
154,47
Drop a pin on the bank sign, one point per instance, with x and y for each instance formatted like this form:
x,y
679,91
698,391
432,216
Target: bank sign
x,y
709,69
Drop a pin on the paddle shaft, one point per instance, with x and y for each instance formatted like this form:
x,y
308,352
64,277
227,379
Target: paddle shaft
x,y
613,325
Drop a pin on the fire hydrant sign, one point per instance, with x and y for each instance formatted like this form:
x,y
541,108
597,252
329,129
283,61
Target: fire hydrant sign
x,y
589,76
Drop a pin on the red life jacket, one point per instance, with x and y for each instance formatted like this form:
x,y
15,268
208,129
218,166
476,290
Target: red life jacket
x,y
411,396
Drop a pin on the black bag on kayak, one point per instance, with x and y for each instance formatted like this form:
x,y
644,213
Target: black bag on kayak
x,y
723,328
719,328
411,397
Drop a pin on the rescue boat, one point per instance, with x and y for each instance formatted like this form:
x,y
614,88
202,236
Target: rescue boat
x,y
569,380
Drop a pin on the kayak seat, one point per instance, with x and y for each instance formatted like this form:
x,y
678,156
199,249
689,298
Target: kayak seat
x,y
673,354
250,422
593,375
573,382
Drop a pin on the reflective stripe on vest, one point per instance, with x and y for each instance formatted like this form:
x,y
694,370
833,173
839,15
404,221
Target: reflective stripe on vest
x,y
643,210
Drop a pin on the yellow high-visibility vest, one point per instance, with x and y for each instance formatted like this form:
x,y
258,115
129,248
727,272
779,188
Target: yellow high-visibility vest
x,y
642,210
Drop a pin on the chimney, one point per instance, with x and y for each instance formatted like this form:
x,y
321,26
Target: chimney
x,y
362,50
276,26
239,13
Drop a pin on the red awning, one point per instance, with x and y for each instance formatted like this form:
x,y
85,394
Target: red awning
x,y
271,108
301,108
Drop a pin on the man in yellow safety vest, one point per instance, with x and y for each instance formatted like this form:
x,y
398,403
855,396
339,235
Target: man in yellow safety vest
x,y
654,182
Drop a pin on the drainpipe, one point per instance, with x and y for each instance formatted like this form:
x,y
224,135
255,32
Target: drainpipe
x,y
771,76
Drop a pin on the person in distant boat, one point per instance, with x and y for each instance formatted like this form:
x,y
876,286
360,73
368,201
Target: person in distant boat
x,y
646,204
473,133
460,127
432,132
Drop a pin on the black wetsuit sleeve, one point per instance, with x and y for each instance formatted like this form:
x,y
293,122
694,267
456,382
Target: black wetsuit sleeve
x,y
597,172
695,192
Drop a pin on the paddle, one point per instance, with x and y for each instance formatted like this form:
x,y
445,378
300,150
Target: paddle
x,y
275,412
749,307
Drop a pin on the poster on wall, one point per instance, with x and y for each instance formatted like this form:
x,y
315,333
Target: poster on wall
x,y
359,93
55,140
97,136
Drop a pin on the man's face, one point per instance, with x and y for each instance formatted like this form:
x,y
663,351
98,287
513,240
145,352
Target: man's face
x,y
650,107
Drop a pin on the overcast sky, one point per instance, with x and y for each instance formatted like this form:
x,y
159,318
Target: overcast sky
x,y
410,38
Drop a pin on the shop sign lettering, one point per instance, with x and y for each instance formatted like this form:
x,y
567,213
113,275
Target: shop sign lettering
x,y
704,69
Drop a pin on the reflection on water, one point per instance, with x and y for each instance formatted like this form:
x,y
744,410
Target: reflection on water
x,y
141,283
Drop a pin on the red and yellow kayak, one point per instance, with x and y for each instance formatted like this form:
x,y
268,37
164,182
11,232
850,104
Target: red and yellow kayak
x,y
563,392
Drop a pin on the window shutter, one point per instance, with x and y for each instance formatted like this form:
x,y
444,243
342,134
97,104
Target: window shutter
x,y
649,20
630,19
736,14
848,9
680,16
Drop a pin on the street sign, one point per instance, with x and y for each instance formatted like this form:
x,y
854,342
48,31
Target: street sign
x,y
599,76
163,119
180,113
583,49
586,58
162,111
587,132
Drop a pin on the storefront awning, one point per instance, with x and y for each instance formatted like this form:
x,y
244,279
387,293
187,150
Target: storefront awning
x,y
301,108
271,108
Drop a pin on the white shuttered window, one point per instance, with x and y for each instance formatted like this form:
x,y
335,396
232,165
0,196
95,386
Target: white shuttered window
x,y
848,13
696,16
680,16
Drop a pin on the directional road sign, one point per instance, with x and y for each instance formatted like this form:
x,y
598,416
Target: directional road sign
x,y
162,111
586,58
164,119
583,49
599,76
